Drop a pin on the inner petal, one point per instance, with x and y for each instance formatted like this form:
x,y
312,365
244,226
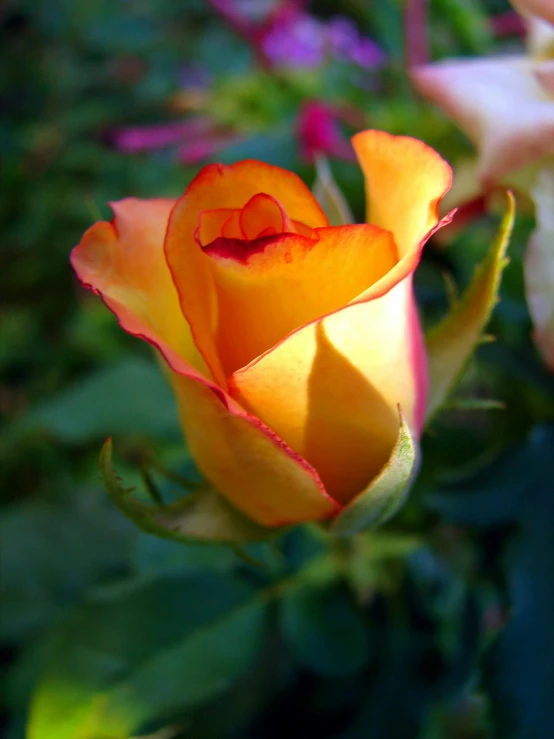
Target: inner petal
x,y
263,212
219,222
271,286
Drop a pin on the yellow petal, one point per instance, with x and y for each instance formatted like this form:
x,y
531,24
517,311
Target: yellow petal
x,y
246,461
332,388
270,287
124,262
405,180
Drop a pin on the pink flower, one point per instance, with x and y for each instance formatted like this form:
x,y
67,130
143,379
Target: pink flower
x,y
319,132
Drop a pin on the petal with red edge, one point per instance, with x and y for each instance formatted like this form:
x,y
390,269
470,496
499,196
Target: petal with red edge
x,y
268,288
405,180
332,388
246,461
228,187
124,262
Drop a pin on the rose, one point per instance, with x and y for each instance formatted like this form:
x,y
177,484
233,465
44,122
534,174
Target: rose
x,y
290,343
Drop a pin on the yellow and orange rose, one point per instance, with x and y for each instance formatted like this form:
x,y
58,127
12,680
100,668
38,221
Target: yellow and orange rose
x,y
290,343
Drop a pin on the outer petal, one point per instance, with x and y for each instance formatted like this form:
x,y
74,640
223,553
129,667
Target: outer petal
x,y
288,282
539,267
405,180
246,461
124,262
500,105
331,389
224,187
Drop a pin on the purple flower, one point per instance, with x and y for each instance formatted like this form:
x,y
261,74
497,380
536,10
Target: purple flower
x,y
295,41
347,43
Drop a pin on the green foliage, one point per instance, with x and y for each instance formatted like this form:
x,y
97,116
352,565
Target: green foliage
x,y
120,672
451,343
201,515
519,665
129,398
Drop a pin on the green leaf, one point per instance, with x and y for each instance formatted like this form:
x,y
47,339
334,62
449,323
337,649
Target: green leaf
x,y
202,516
519,669
327,193
451,343
50,552
146,651
325,630
128,398
387,491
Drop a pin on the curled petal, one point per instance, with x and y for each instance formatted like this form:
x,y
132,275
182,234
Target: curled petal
x,y
124,262
405,180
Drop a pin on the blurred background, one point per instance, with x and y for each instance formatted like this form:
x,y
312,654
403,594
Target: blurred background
x,y
441,625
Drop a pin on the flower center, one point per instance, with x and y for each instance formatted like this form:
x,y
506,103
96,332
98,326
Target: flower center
x,y
245,230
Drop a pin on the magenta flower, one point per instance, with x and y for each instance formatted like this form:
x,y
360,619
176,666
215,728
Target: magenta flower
x,y
319,132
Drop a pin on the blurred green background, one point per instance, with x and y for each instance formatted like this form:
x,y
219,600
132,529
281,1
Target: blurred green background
x,y
440,625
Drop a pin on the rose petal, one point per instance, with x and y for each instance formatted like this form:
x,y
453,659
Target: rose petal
x,y
405,180
268,288
124,262
331,389
228,187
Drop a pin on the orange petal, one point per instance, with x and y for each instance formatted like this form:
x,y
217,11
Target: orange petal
x,y
405,180
246,461
228,187
331,389
270,287
262,212
124,262
211,224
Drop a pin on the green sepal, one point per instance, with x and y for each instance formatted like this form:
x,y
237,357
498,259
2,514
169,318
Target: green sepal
x,y
201,516
451,343
329,196
387,492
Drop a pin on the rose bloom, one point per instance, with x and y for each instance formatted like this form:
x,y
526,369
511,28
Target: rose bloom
x,y
289,344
